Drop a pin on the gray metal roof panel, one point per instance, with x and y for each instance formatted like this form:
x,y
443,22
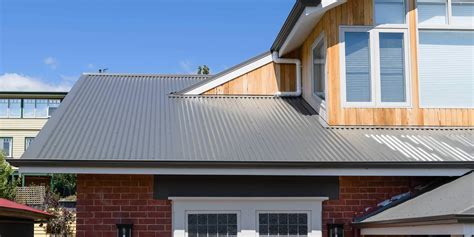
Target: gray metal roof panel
x,y
133,118
449,200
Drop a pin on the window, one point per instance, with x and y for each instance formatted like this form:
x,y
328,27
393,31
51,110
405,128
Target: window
x,y
283,224
435,13
319,68
52,106
389,12
432,12
212,225
28,141
374,67
336,230
6,146
10,108
446,68
29,108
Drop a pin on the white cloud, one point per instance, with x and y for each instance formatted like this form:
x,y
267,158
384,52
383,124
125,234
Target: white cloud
x,y
17,82
90,66
51,62
187,67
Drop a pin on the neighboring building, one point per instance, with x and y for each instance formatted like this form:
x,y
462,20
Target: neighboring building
x,y
358,104
22,115
19,220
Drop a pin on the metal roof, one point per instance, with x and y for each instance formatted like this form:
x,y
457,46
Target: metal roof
x,y
113,117
454,200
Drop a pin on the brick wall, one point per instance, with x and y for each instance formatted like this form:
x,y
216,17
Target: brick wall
x,y
105,200
358,193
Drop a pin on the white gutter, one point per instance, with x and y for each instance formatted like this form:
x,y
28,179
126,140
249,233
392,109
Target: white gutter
x,y
297,63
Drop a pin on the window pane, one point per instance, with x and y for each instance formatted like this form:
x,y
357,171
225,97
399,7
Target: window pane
x,y
212,225
52,106
15,108
28,141
357,67
319,61
3,108
6,146
29,108
392,67
462,12
389,12
432,12
283,224
446,68
41,108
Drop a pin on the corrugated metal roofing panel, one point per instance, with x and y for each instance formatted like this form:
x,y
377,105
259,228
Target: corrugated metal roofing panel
x,y
133,118
454,198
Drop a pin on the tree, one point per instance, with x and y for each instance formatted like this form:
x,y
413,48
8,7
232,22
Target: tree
x,y
203,70
64,184
8,183
60,224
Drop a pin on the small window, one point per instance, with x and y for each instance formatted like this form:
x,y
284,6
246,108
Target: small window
x,y
212,225
432,12
41,108
390,12
52,106
28,141
6,146
462,12
3,108
319,68
29,108
336,230
283,224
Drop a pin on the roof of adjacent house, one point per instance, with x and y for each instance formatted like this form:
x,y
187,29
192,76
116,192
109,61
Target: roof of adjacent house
x,y
451,201
16,210
135,118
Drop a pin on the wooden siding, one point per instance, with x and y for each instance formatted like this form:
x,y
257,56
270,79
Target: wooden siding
x,y
359,12
19,129
266,80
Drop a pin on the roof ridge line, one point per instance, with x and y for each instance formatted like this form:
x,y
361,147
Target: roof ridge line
x,y
145,74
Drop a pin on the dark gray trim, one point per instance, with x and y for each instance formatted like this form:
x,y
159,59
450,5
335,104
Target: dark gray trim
x,y
290,22
166,186
418,221
234,164
33,93
214,77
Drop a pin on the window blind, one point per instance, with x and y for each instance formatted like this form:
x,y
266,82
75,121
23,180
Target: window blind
x,y
446,69
392,67
389,11
358,84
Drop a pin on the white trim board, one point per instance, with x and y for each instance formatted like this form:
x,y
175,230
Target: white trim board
x,y
253,171
248,210
231,75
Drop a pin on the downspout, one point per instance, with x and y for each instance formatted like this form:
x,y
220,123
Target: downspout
x,y
297,63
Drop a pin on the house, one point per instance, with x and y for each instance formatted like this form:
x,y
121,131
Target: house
x,y
18,220
358,103
22,115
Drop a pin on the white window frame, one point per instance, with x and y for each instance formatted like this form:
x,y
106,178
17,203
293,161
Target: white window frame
x,y
388,25
257,217
248,209
447,26
317,96
374,44
10,155
210,212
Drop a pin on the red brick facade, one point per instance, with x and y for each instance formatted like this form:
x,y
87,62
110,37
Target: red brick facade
x,y
105,200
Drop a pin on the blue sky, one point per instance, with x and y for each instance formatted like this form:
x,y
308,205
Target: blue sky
x,y
52,42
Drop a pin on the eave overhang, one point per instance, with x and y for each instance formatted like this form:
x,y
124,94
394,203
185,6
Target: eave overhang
x,y
300,23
